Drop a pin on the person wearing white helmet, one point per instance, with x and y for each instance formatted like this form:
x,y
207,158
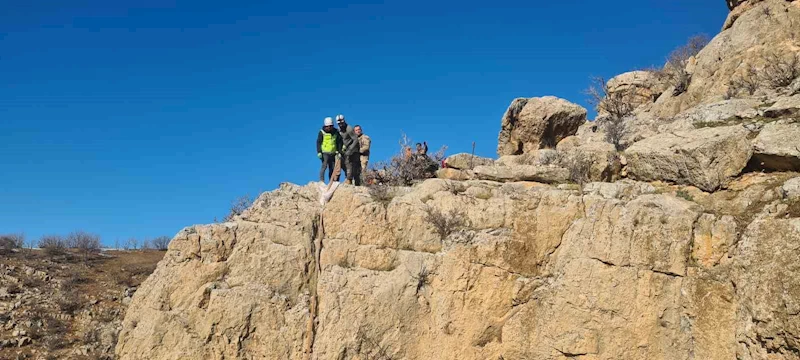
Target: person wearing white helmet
x,y
350,152
329,146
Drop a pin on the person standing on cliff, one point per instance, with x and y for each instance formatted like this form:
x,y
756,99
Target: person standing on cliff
x,y
329,146
350,150
364,143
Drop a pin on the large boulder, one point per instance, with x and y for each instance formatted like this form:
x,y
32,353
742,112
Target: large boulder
x,y
777,147
603,156
705,158
637,87
784,107
536,123
538,173
464,161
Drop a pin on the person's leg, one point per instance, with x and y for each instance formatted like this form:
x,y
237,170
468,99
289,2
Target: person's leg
x,y
364,163
348,165
322,167
357,169
331,160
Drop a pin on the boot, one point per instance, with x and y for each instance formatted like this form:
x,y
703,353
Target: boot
x,y
347,182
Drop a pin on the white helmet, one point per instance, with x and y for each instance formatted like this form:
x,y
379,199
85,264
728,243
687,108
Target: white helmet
x,y
328,121
339,117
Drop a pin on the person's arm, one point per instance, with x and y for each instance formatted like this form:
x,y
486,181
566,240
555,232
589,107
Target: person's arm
x,y
319,143
365,145
339,144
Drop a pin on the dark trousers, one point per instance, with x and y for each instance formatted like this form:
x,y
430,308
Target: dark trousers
x,y
352,166
328,162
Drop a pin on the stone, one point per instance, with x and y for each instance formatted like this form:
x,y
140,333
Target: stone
x,y
712,239
784,107
637,87
24,341
791,189
768,290
454,174
761,28
705,158
536,123
544,174
604,158
464,161
536,157
777,147
720,113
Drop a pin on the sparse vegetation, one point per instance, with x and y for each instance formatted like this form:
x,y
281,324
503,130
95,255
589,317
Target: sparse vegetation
x,y
616,105
161,243
422,278
674,73
405,168
578,165
368,348
53,245
381,193
780,69
84,242
238,207
445,223
9,242
69,302
683,194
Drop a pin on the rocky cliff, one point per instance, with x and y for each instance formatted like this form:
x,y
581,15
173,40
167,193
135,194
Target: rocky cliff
x,y
685,245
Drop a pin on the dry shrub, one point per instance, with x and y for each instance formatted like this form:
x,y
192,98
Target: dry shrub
x,y
617,105
69,302
238,207
9,242
381,193
86,243
780,69
579,166
53,244
405,168
445,223
161,243
674,72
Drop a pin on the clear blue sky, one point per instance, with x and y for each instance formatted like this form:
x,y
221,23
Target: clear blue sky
x,y
137,118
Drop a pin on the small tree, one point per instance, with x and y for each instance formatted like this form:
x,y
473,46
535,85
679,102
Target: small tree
x,y
53,244
9,242
675,72
617,105
238,207
579,166
161,243
131,244
86,243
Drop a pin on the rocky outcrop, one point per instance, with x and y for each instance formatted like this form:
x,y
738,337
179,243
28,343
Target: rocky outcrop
x,y
637,87
791,189
603,157
464,161
777,147
549,174
758,30
705,158
522,272
536,123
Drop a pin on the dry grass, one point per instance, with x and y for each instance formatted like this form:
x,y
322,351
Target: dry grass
x,y
445,223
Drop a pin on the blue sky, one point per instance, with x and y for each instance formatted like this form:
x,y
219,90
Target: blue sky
x,y
135,119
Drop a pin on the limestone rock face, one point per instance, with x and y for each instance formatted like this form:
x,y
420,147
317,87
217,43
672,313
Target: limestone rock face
x,y
528,271
539,173
536,123
637,87
605,161
791,189
464,161
753,31
777,147
705,158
